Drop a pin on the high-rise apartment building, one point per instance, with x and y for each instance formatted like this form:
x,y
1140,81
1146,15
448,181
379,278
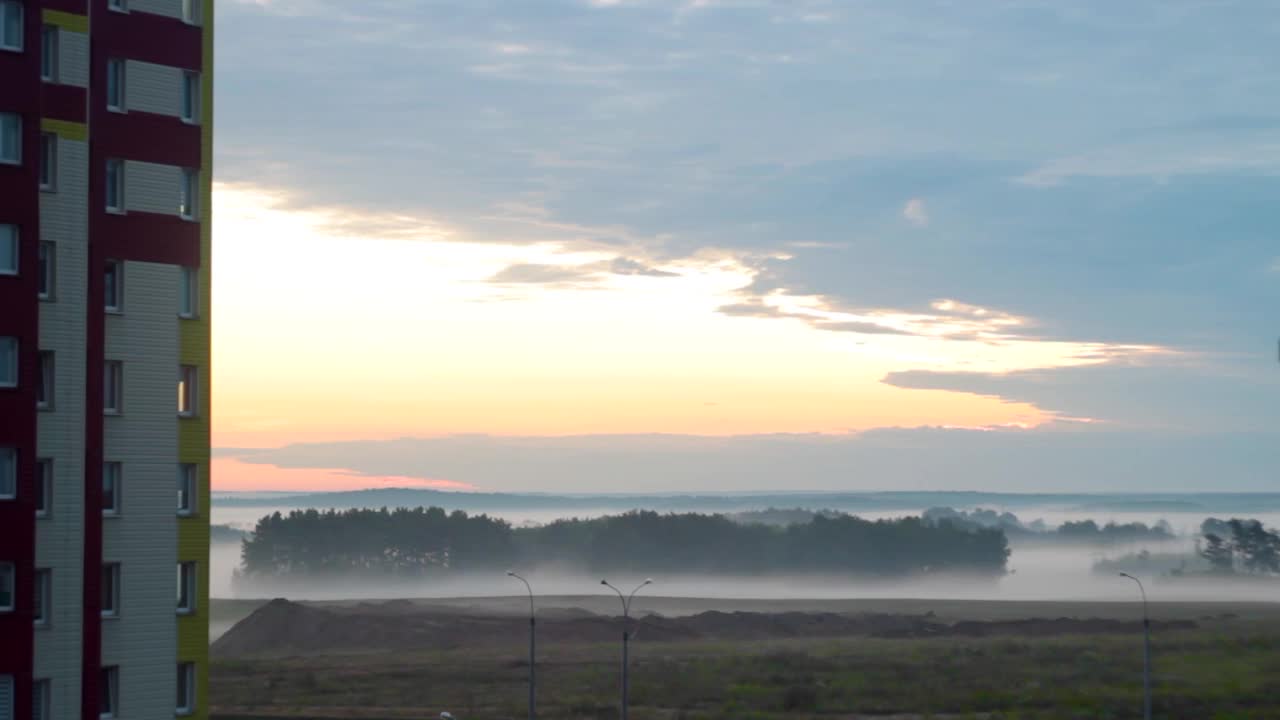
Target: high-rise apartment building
x,y
105,166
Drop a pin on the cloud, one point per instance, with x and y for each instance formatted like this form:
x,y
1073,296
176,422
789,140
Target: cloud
x,y
628,266
1152,392
949,319
1068,457
751,309
1166,155
866,328
544,274
584,275
915,213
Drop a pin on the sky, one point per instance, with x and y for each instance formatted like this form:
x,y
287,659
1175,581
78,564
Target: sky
x,y
723,245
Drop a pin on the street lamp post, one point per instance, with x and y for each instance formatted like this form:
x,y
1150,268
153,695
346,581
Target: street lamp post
x,y
1146,650
626,635
533,677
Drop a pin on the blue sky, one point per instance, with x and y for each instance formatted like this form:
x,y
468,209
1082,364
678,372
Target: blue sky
x,y
1107,173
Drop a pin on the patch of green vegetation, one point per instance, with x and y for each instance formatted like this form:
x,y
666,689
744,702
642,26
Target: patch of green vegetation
x,y
1224,670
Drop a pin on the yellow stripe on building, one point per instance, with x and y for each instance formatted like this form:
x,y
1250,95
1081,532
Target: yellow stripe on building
x,y
65,129
67,21
193,433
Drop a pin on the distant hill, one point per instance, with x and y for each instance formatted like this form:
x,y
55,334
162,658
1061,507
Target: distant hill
x,y
914,501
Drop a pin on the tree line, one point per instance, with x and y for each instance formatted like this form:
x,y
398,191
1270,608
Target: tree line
x,y
1079,531
426,542
1237,545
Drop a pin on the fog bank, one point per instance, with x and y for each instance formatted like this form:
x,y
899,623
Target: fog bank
x,y
1036,572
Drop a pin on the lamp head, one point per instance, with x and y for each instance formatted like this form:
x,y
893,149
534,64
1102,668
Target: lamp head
x,y
511,573
648,581
604,582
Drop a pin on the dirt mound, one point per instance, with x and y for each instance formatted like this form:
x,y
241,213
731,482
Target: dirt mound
x,y
284,628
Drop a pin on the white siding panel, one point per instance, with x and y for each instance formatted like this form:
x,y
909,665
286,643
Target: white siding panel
x,y
60,431
153,88
64,215
149,187
144,537
168,8
73,58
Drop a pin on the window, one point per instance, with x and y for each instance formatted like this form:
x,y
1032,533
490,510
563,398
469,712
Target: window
x,y
189,286
191,96
8,249
7,582
11,25
43,586
49,53
109,691
44,486
47,269
186,688
10,138
48,161
186,489
190,191
44,382
8,473
186,587
8,362
113,387
6,697
113,286
110,590
41,697
118,5
187,390
111,480
115,85
115,186
191,11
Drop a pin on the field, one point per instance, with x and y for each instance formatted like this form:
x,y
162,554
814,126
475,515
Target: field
x,y
1211,660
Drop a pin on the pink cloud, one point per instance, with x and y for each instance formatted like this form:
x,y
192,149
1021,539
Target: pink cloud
x,y
228,473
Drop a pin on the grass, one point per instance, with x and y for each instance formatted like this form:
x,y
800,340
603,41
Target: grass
x,y
1221,671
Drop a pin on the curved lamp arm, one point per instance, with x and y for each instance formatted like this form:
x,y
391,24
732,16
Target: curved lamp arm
x,y
527,586
1145,615
623,599
647,581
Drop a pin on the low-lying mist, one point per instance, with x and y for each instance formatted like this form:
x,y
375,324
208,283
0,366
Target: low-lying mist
x,y
1035,572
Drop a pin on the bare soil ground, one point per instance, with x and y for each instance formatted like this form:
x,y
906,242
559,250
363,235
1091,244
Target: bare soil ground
x,y
282,628
226,613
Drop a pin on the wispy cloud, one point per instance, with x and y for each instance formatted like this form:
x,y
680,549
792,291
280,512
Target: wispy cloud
x,y
948,319
915,212
582,276
1163,155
